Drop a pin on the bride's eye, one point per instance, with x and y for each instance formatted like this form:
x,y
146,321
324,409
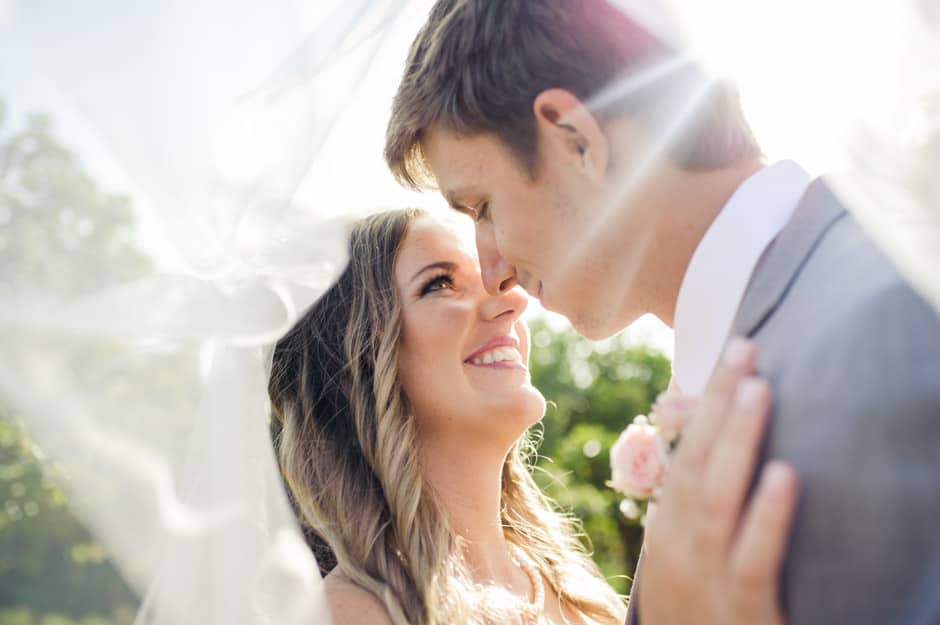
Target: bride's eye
x,y
438,283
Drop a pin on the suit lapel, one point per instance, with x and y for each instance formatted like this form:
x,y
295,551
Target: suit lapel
x,y
817,211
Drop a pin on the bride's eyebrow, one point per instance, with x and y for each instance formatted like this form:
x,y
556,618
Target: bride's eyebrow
x,y
441,264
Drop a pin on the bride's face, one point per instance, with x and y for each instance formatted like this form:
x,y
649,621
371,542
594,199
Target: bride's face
x,y
463,355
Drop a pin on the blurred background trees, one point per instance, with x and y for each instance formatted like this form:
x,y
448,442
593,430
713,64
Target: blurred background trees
x,y
594,391
60,231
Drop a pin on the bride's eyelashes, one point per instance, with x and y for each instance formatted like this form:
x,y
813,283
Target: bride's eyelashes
x,y
437,283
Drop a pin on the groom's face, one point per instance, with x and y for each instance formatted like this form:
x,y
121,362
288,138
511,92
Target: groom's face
x,y
538,231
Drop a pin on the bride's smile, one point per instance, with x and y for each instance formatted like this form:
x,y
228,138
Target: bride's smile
x,y
501,352
463,352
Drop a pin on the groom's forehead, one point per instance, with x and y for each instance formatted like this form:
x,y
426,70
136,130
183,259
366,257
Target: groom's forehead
x,y
459,161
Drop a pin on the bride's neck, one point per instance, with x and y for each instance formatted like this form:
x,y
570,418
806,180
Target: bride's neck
x,y
468,485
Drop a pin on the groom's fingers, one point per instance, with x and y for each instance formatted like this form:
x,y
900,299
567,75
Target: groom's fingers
x,y
683,490
730,466
738,361
757,556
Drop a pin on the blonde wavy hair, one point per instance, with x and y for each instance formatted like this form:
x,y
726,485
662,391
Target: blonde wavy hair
x,y
347,445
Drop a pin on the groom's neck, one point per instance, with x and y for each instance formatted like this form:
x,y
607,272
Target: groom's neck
x,y
686,209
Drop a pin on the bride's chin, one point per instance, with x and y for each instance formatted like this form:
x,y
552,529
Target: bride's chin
x,y
533,408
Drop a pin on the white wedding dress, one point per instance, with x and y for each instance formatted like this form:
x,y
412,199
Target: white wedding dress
x,y
246,134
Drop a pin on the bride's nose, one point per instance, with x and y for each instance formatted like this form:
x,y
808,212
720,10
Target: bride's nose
x,y
509,304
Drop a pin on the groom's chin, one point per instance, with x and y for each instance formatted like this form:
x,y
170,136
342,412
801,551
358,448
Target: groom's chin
x,y
594,328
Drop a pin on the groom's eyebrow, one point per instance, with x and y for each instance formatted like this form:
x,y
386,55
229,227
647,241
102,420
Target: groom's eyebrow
x,y
441,264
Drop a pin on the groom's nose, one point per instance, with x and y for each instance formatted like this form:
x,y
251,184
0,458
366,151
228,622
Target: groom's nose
x,y
498,275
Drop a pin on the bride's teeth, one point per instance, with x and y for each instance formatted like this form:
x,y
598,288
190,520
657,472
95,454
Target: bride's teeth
x,y
498,354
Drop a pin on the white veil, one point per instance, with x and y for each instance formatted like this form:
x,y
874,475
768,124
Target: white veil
x,y
228,125
150,394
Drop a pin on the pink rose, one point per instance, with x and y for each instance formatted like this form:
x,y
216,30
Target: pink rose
x,y
638,460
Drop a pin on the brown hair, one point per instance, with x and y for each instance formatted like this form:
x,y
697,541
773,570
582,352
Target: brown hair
x,y
477,65
346,442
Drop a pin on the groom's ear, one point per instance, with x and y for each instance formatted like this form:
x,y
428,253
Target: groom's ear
x,y
566,127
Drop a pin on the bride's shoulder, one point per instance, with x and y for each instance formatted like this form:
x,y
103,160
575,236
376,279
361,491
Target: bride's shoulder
x,y
351,604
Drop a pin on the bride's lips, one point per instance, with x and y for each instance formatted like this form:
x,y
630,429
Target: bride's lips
x,y
499,341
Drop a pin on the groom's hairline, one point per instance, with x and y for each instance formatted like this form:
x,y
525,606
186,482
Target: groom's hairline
x,y
441,88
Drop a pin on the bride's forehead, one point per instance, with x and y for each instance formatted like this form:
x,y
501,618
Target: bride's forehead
x,y
440,235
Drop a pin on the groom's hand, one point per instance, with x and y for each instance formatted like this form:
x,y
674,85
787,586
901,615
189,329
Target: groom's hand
x,y
712,557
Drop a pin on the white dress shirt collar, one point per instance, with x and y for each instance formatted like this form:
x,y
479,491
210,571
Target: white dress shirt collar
x,y
722,265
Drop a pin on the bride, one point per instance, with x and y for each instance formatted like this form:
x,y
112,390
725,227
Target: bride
x,y
401,406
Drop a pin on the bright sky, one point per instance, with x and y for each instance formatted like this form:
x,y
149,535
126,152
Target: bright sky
x,y
807,70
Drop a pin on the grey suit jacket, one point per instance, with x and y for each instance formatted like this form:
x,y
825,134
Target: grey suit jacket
x,y
853,354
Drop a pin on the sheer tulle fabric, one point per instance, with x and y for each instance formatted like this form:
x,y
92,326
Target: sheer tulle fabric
x,y
225,124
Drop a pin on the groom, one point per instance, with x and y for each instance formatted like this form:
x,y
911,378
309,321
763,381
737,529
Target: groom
x,y
610,178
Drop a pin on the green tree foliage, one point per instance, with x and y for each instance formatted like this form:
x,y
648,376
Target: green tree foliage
x,y
60,233
594,390
50,567
58,230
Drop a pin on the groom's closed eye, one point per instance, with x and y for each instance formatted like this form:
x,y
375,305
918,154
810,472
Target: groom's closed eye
x,y
482,212
478,213
464,210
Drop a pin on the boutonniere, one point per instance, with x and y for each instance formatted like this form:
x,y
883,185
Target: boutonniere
x,y
640,456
